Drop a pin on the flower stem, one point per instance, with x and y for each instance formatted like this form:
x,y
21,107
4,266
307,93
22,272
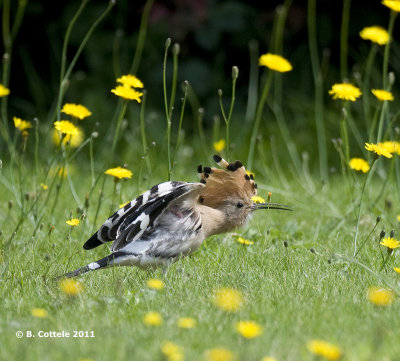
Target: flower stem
x,y
344,34
257,119
366,85
141,37
117,128
143,133
167,108
318,83
361,201
393,15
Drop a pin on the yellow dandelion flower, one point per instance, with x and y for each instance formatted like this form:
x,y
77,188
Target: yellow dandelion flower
x,y
155,284
376,34
76,110
123,204
275,62
391,146
268,358
220,145
390,243
4,91
119,172
21,125
359,164
66,127
74,141
152,319
39,312
172,351
186,322
71,287
249,329
219,354
380,296
397,269
258,199
244,241
44,186
73,222
127,93
377,149
324,349
392,4
130,81
345,91
228,299
398,218
382,95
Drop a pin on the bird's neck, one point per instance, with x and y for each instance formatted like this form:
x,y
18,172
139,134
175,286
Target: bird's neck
x,y
213,221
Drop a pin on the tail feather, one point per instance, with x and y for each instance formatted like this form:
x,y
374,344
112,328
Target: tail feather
x,y
114,259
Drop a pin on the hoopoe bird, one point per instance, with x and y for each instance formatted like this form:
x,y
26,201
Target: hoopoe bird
x,y
172,219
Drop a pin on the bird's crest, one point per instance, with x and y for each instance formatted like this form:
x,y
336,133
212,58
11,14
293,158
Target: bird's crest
x,y
221,184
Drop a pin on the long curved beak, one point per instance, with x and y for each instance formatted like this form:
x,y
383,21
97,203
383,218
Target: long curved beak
x,y
282,207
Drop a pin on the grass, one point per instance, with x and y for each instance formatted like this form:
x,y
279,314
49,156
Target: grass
x,y
294,294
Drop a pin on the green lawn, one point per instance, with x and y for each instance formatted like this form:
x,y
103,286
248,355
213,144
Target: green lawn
x,y
294,294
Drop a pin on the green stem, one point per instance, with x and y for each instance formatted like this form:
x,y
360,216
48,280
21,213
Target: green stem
x,y
257,119
167,108
64,56
186,86
360,204
344,133
143,133
253,82
344,34
366,85
67,74
318,83
381,121
141,37
117,128
393,15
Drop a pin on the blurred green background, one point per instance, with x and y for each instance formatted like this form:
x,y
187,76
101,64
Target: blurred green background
x,y
213,36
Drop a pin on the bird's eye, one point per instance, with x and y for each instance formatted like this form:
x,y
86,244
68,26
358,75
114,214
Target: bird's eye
x,y
239,205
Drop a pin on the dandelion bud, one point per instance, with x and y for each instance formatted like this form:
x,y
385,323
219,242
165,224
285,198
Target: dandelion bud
x,y
176,49
51,230
153,144
391,78
220,92
27,196
312,250
94,135
41,226
285,244
185,85
378,219
10,204
36,121
382,234
167,42
87,201
392,233
235,72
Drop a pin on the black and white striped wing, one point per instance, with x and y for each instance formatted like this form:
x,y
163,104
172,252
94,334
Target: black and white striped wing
x,y
132,220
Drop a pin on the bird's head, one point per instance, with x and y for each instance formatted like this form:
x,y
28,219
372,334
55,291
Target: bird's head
x,y
231,190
